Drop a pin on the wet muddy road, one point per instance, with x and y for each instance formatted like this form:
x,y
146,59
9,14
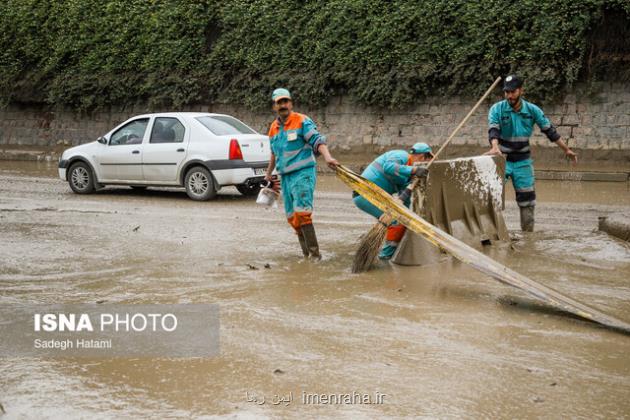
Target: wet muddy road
x,y
440,341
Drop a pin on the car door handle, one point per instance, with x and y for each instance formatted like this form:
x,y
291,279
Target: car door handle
x,y
181,150
135,152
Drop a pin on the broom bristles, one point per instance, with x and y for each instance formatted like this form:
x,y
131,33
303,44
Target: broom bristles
x,y
370,245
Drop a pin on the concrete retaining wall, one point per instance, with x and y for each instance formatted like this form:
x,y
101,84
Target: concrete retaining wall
x,y
589,121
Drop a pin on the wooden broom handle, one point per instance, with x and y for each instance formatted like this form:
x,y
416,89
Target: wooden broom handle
x,y
461,124
474,108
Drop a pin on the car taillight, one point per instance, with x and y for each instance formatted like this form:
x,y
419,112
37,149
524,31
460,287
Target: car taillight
x,y
235,150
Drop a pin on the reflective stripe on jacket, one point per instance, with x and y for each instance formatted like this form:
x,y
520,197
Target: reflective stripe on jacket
x,y
295,143
516,127
390,171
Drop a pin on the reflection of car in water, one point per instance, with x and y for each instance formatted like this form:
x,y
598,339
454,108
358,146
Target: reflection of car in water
x,y
200,151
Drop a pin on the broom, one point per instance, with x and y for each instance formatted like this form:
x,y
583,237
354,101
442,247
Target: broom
x,y
372,242
468,255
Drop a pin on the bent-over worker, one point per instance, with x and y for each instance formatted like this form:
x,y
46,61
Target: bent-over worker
x,y
392,171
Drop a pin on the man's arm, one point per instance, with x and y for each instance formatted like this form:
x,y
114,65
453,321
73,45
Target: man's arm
x,y
272,159
494,147
397,170
567,151
550,131
318,142
271,166
401,174
331,161
494,131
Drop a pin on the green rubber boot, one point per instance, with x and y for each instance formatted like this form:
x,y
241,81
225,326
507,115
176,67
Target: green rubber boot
x,y
527,219
303,245
311,241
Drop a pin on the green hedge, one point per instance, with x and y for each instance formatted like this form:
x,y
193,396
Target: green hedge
x,y
91,54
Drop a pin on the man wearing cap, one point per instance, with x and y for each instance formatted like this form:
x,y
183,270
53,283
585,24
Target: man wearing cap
x,y
511,123
392,171
295,143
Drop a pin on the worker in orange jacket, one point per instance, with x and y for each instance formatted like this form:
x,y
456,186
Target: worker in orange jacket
x,y
295,144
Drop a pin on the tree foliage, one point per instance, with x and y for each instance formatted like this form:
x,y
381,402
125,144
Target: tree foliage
x,y
91,54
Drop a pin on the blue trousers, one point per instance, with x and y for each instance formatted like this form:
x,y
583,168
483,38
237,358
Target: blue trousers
x,y
522,175
298,188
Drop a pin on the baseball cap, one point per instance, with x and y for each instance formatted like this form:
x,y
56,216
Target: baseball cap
x,y
280,93
418,148
512,82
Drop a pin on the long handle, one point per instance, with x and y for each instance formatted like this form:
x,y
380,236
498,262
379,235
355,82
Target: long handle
x,y
461,124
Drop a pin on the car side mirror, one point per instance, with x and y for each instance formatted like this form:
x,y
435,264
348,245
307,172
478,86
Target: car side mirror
x,y
102,140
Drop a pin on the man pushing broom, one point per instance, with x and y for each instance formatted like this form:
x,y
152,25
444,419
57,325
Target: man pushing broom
x,y
392,171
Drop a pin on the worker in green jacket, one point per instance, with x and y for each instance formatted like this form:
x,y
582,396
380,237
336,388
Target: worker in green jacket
x,y
511,123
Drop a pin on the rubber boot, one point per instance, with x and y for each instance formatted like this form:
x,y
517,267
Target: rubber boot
x,y
527,218
303,245
311,241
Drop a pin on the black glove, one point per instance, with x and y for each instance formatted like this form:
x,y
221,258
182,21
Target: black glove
x,y
405,195
421,172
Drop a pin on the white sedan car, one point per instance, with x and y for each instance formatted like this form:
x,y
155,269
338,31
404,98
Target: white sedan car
x,y
199,151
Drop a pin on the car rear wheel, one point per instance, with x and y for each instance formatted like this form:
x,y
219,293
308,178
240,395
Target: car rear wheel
x,y
199,184
80,178
248,190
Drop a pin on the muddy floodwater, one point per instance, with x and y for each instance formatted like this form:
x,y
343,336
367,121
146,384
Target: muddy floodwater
x,y
437,341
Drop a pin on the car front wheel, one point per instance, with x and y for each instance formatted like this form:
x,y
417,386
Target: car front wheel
x,y
81,179
199,184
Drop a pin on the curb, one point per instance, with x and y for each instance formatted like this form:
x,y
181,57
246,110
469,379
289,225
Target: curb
x,y
29,155
583,176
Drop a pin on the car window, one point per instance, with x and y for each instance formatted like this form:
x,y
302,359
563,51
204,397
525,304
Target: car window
x,y
222,125
131,133
167,130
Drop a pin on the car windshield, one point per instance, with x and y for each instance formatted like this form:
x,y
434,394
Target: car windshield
x,y
222,125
